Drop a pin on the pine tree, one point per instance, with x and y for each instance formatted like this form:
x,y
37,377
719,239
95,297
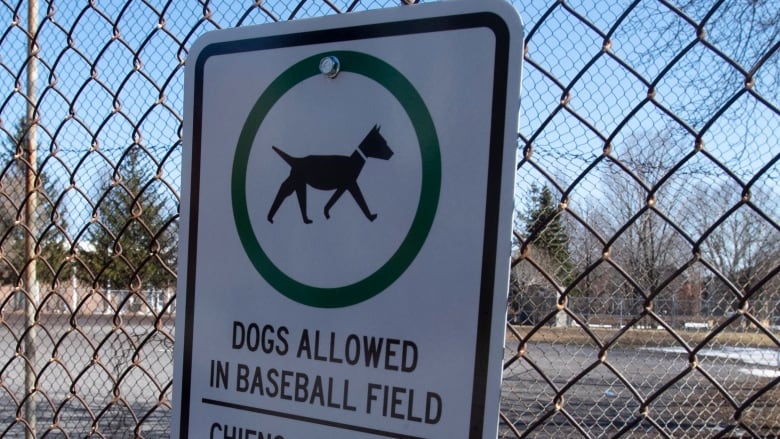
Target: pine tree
x,y
48,221
545,228
134,239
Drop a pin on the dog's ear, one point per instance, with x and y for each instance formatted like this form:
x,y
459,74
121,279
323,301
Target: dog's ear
x,y
376,128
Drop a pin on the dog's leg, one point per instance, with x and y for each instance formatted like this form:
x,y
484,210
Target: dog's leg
x,y
354,189
333,200
300,191
285,189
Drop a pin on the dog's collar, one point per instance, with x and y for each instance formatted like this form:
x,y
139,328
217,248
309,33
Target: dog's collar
x,y
361,153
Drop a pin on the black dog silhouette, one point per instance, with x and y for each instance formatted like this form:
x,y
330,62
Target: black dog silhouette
x,y
329,172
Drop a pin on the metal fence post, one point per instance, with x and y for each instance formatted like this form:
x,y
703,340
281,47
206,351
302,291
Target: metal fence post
x,y
31,180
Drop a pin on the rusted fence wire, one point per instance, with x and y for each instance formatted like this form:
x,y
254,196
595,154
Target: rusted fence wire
x,y
645,296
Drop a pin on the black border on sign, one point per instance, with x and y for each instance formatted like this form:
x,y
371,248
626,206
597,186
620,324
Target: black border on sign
x,y
492,233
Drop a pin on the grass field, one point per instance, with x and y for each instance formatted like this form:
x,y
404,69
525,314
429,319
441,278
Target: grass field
x,y
642,337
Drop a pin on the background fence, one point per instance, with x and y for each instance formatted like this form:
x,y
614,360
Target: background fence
x,y
645,293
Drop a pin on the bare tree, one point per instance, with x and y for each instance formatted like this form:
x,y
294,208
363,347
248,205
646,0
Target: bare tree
x,y
643,240
720,49
533,290
739,245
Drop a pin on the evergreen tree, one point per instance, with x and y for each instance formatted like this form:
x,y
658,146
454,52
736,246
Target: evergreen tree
x,y
545,228
133,243
48,220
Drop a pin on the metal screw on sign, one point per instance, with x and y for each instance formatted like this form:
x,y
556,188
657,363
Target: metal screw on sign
x,y
330,66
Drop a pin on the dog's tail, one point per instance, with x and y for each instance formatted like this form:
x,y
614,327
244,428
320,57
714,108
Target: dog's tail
x,y
287,157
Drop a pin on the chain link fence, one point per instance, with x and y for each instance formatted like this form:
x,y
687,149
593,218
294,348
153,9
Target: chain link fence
x,y
645,296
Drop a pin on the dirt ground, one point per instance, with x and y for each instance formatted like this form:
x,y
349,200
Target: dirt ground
x,y
563,384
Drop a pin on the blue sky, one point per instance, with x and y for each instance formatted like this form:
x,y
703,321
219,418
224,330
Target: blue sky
x,y
79,111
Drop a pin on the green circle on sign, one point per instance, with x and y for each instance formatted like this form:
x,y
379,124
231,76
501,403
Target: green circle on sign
x,y
403,91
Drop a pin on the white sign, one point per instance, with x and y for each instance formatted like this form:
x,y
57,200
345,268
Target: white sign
x,y
345,230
